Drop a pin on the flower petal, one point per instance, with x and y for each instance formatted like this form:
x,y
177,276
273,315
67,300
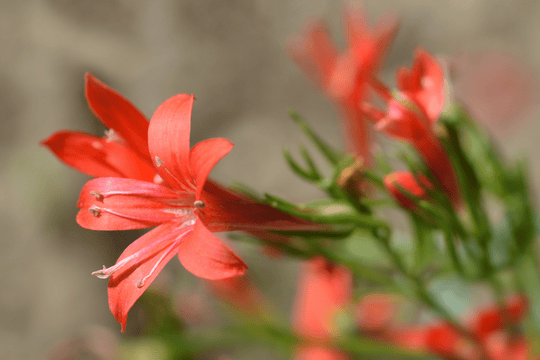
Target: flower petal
x,y
117,113
95,156
151,252
168,140
205,256
314,52
123,204
424,83
204,156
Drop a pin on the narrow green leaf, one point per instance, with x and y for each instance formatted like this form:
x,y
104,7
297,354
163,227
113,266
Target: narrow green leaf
x,y
329,153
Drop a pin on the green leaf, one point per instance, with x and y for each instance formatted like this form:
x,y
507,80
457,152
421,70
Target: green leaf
x,y
329,153
311,174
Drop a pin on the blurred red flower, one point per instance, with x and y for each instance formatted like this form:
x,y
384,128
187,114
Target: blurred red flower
x,y
344,76
412,112
323,288
489,339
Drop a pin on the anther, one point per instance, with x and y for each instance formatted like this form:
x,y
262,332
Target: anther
x,y
199,204
159,162
94,210
140,283
97,145
101,274
113,136
97,194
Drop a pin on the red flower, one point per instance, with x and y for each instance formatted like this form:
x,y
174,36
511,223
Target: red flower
x,y
128,200
186,212
323,289
407,181
375,313
344,76
412,112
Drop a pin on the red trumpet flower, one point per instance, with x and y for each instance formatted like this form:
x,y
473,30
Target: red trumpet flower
x,y
344,76
185,207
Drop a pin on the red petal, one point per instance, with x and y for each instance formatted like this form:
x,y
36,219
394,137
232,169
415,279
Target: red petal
x,y
205,256
168,140
96,156
117,113
314,52
123,204
403,123
353,17
423,83
159,245
204,156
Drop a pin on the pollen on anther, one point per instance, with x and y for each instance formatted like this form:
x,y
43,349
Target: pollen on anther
x,y
199,204
94,210
97,194
159,162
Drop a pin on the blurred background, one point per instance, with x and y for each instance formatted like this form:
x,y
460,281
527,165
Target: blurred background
x,y
230,55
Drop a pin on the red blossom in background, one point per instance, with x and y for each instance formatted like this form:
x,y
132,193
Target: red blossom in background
x,y
323,288
487,326
411,114
375,313
344,76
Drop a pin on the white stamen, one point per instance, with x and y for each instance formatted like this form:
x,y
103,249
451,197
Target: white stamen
x,y
113,136
156,247
101,273
141,282
160,163
94,210
97,194
97,145
179,211
199,204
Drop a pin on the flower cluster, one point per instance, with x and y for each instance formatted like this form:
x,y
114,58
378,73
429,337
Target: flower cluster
x,y
147,175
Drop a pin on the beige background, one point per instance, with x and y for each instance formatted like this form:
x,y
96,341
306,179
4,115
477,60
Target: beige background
x,y
228,53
